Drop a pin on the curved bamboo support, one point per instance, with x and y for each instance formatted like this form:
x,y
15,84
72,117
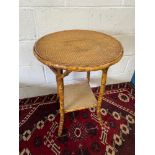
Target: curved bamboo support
x,y
60,86
102,89
65,73
88,76
54,70
62,74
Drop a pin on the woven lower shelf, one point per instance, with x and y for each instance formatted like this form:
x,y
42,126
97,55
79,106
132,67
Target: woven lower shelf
x,y
78,96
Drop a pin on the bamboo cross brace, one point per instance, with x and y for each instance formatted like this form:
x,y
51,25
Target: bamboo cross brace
x,y
62,74
65,73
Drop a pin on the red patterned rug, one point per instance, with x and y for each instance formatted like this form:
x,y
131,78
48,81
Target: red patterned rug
x,y
82,134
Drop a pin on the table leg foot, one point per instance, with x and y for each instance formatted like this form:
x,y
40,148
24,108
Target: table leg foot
x,y
61,123
99,117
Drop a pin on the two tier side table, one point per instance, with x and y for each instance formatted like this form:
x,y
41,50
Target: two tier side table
x,y
78,51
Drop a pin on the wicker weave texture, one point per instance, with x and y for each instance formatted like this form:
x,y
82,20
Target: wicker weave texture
x,y
78,48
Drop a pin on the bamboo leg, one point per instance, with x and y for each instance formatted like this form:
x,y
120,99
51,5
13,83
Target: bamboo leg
x,y
88,76
57,86
102,89
57,82
60,86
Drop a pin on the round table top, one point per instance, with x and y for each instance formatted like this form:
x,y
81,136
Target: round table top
x,y
78,50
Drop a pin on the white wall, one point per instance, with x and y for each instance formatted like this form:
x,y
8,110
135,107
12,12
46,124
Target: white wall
x,y
39,17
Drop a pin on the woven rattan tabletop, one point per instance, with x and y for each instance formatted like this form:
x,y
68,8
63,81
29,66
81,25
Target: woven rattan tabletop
x,y
78,50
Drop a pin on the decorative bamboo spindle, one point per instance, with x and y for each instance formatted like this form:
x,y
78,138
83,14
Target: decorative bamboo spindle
x,y
102,89
61,100
88,76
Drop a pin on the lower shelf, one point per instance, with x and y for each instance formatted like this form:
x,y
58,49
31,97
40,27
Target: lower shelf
x,y
78,96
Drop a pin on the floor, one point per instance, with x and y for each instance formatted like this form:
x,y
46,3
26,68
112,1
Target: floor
x,y
82,134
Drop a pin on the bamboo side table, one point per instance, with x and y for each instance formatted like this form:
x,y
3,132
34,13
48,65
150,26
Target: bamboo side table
x,y
81,51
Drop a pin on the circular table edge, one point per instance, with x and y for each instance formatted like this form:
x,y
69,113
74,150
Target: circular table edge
x,y
78,68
